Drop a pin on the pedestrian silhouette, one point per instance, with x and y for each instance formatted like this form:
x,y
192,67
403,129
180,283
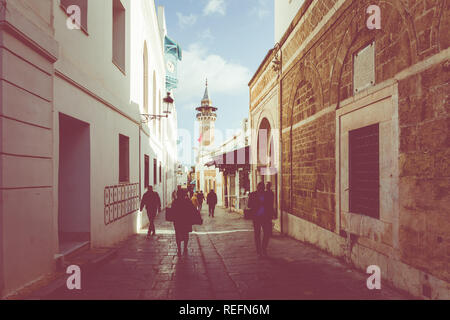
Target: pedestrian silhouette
x,y
152,203
200,199
259,204
183,215
194,200
211,200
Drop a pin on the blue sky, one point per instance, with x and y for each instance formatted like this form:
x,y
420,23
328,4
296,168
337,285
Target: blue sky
x,y
224,40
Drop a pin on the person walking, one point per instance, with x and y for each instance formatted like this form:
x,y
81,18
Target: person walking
x,y
184,215
262,218
194,200
152,203
211,200
200,198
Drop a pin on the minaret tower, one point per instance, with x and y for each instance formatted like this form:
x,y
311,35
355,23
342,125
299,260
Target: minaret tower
x,y
206,117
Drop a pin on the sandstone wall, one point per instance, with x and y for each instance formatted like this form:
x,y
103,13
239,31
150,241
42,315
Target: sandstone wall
x,y
411,52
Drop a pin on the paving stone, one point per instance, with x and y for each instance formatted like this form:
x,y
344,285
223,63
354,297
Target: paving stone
x,y
222,266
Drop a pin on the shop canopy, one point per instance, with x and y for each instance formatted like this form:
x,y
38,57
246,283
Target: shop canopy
x,y
232,160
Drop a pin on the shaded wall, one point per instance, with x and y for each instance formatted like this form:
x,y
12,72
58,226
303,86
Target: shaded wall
x,y
74,178
27,54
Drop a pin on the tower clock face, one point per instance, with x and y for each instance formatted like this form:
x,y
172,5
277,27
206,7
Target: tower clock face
x,y
170,66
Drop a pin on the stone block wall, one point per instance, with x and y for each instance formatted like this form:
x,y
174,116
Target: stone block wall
x,y
411,51
424,116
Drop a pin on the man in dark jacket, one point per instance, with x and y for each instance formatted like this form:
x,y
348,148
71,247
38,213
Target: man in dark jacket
x,y
262,218
152,203
211,200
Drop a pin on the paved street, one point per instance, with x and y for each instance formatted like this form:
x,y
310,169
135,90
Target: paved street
x,y
222,264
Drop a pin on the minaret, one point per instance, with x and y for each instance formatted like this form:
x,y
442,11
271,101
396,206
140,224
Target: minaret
x,y
206,118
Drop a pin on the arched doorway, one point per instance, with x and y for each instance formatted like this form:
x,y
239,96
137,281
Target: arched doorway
x,y
265,152
266,168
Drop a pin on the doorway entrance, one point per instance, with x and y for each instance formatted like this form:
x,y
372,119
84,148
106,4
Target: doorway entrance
x,y
266,170
74,205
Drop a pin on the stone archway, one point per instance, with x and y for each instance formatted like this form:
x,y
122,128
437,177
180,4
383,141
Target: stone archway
x,y
266,159
264,149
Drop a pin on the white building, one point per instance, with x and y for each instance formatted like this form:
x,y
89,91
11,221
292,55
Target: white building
x,y
182,174
75,153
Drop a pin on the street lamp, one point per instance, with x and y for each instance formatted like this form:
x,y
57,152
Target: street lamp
x,y
168,105
276,63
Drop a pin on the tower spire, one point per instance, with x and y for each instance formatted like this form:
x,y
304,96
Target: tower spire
x,y
206,116
206,99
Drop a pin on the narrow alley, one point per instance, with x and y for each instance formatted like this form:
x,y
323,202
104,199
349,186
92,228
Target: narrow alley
x,y
222,264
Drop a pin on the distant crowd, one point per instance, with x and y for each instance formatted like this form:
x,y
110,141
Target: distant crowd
x,y
187,206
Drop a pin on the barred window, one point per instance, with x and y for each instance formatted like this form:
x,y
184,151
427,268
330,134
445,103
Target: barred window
x,y
364,171
119,35
124,158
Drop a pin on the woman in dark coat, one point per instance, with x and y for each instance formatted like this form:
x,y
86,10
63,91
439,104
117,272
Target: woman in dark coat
x,y
184,216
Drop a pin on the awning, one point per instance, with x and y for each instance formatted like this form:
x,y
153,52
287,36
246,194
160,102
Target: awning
x,y
239,158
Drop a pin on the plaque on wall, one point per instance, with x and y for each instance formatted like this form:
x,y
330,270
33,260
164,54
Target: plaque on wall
x,y
364,68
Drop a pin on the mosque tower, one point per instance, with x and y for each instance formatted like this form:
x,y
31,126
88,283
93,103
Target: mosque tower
x,y
206,117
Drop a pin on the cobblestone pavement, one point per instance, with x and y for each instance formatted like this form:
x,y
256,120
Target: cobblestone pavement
x,y
222,264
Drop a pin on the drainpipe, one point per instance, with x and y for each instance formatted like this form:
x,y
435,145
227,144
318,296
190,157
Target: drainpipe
x,y
139,217
280,176
140,187
2,285
280,143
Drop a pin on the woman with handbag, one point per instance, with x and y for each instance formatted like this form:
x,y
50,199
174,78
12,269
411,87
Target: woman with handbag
x,y
184,215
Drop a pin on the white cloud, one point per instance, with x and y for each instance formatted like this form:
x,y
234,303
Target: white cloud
x,y
206,35
215,6
184,21
224,77
261,10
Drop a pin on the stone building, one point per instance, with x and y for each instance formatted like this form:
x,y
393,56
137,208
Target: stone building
x,y
76,152
360,124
